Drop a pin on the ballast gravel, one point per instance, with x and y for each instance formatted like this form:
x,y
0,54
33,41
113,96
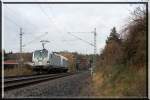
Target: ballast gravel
x,y
70,86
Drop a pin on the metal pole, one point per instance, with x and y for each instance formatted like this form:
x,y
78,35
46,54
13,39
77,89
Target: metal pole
x,y
95,48
20,40
21,49
94,55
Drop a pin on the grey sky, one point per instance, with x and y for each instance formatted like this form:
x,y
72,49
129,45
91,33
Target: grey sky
x,y
57,20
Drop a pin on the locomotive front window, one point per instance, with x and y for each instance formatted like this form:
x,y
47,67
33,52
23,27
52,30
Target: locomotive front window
x,y
41,53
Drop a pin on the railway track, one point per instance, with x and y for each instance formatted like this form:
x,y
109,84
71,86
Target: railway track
x,y
13,83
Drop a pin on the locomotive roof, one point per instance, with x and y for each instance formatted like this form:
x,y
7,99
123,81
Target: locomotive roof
x,y
54,53
61,56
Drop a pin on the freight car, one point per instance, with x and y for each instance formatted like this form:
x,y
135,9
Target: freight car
x,y
44,61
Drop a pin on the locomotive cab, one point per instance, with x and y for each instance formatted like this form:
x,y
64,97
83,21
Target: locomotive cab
x,y
40,57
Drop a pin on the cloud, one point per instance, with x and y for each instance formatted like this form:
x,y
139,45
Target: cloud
x,y
57,20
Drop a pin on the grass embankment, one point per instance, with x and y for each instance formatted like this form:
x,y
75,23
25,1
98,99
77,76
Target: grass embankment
x,y
120,81
16,71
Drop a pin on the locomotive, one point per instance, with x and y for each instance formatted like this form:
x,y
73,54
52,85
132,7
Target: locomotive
x,y
45,61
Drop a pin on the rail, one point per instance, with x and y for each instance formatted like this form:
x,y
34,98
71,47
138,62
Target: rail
x,y
19,82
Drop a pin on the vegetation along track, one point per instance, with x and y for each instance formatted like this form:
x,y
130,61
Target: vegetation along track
x,y
18,82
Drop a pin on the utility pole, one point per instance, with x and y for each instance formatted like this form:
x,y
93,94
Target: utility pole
x,y
21,59
92,44
95,49
21,40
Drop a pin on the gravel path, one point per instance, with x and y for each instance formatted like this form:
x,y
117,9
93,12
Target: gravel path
x,y
70,86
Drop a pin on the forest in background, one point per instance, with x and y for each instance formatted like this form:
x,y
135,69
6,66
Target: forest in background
x,y
121,66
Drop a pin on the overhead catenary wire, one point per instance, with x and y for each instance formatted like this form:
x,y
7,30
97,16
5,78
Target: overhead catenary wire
x,y
35,39
81,32
54,16
20,26
69,40
94,45
76,36
49,18
10,20
81,39
53,20
15,13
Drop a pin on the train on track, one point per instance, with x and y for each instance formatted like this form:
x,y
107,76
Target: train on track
x,y
45,61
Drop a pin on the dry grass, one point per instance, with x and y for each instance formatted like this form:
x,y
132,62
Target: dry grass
x,y
15,71
97,82
120,82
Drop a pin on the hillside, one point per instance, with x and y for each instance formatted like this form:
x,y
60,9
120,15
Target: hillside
x,y
121,67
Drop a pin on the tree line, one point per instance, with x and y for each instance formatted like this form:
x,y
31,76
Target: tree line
x,y
129,47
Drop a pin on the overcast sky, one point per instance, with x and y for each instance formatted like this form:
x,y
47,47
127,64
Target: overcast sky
x,y
58,20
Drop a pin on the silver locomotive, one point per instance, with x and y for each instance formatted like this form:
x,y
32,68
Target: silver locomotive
x,y
43,60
